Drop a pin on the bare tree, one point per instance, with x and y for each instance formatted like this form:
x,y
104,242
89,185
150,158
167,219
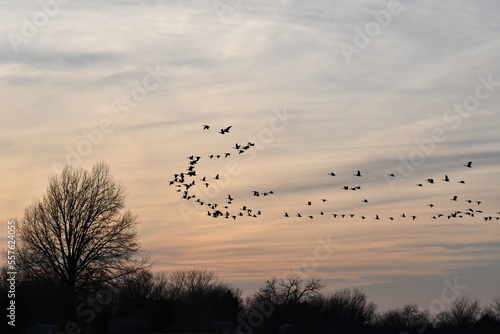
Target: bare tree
x,y
350,309
77,235
293,289
463,314
200,298
409,318
196,280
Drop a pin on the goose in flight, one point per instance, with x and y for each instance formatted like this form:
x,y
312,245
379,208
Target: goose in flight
x,y
469,164
331,174
446,179
225,130
206,127
358,174
454,198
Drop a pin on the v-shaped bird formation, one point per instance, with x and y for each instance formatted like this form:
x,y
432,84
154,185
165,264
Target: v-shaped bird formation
x,y
186,182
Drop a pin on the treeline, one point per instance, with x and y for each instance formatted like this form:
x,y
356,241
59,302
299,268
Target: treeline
x,y
197,301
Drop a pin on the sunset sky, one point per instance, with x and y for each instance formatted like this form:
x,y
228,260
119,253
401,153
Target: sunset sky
x,y
404,87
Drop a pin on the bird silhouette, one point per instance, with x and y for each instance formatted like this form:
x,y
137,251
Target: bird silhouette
x,y
331,174
454,198
446,179
358,174
206,127
225,130
469,164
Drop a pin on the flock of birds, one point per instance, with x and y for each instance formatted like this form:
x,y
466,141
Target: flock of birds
x,y
188,180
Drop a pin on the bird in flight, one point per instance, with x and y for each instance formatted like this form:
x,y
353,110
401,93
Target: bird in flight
x,y
446,179
206,127
225,130
358,174
331,174
469,164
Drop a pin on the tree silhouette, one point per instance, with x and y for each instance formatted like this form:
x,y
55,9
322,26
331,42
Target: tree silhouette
x,y
201,299
462,316
408,319
292,299
349,310
77,236
292,289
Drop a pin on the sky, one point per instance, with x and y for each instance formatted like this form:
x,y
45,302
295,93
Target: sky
x,y
409,88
